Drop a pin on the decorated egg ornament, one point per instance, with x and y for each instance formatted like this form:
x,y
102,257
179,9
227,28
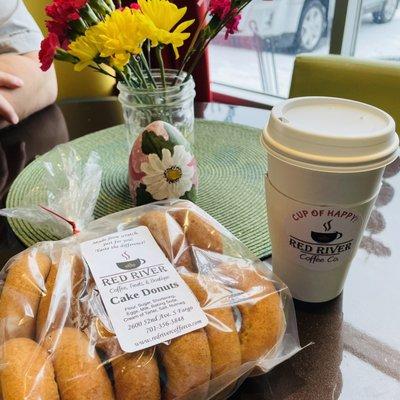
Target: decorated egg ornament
x,y
162,166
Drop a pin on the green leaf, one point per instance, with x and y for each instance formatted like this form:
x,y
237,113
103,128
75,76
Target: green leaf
x,y
191,194
177,138
153,144
143,196
213,25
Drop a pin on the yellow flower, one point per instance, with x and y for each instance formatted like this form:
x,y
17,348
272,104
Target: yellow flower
x,y
162,17
118,36
85,50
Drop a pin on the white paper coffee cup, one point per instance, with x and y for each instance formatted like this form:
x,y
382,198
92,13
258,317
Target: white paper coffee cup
x,y
326,158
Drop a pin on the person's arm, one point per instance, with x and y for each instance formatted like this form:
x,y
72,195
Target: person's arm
x,y
38,88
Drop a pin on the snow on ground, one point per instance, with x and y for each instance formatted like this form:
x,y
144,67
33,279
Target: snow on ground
x,y
242,67
379,40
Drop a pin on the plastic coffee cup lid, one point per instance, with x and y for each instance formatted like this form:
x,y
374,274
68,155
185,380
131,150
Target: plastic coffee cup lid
x,y
331,134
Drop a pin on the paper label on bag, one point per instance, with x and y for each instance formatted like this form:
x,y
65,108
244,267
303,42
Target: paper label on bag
x,y
146,299
321,238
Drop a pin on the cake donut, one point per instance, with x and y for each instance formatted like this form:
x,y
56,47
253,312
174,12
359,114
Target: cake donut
x,y
26,371
198,231
261,310
97,326
44,304
60,305
79,285
185,260
222,334
105,340
187,363
22,290
136,376
54,312
79,372
165,230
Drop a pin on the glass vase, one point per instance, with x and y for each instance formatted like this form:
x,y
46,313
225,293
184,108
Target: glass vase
x,y
173,103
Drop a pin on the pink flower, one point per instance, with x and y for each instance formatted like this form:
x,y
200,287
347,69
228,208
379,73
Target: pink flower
x,y
220,8
158,128
195,179
137,157
48,50
233,25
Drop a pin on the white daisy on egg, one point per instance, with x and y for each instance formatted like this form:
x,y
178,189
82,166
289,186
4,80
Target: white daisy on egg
x,y
171,176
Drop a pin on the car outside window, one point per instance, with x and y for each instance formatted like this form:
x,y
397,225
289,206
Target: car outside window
x,y
257,63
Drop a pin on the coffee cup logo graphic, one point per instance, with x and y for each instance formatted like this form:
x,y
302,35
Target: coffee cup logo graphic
x,y
327,236
322,238
129,264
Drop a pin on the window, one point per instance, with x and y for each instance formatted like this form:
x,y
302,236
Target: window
x,y
379,32
259,59
256,64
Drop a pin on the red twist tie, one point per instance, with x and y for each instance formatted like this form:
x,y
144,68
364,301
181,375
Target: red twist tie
x,y
75,230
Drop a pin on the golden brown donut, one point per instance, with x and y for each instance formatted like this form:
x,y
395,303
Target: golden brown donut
x,y
187,363
65,303
44,303
23,288
97,325
167,233
78,278
185,260
198,231
136,376
105,340
223,337
263,319
78,369
26,372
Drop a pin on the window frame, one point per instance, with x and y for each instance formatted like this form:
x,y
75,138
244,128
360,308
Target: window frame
x,y
343,40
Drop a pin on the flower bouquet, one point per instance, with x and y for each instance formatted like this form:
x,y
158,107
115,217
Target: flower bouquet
x,y
128,42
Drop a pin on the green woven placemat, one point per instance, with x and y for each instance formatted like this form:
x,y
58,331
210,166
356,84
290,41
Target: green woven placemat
x,y
232,166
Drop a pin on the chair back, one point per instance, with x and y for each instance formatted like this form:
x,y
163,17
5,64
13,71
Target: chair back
x,y
369,81
72,84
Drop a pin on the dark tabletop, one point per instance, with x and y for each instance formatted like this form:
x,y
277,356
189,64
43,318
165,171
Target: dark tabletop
x,y
355,350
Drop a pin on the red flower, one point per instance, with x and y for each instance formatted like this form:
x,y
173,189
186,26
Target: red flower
x,y
220,8
60,29
65,10
62,12
133,6
48,50
233,25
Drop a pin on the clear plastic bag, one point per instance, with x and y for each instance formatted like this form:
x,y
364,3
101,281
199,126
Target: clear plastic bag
x,y
57,340
73,186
